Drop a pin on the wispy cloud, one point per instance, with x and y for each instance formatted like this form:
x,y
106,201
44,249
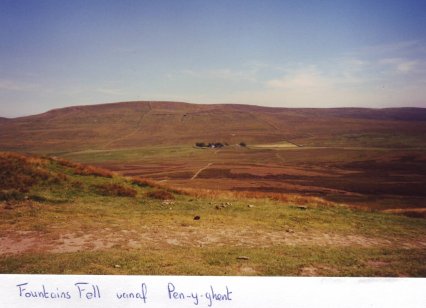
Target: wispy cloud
x,y
19,86
305,78
401,65
390,75
110,91
376,76
394,48
222,74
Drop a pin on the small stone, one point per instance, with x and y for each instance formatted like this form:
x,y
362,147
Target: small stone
x,y
302,207
197,217
242,258
289,230
250,206
117,266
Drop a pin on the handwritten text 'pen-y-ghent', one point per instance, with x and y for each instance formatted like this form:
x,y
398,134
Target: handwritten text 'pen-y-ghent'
x,y
209,297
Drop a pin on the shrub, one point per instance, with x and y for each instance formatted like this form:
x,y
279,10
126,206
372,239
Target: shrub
x,y
215,145
210,145
143,182
200,144
38,198
91,170
115,190
11,194
77,185
58,178
160,194
415,214
21,172
65,163
81,169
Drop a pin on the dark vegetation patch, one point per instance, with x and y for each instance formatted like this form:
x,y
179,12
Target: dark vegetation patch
x,y
403,164
115,190
414,214
212,173
19,173
373,186
281,190
77,185
160,194
141,182
38,198
404,176
91,170
11,194
180,175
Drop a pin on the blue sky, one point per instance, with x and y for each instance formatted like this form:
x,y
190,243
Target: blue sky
x,y
275,53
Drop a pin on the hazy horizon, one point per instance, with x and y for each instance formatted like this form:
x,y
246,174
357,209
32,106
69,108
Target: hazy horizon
x,y
316,54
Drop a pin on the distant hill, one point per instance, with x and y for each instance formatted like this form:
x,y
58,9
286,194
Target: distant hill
x,y
135,124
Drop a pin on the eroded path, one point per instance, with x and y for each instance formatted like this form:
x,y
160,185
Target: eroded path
x,y
189,236
200,170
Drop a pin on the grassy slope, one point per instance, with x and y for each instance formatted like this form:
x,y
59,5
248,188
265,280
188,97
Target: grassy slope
x,y
65,222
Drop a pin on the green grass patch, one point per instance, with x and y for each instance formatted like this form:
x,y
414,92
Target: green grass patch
x,y
274,261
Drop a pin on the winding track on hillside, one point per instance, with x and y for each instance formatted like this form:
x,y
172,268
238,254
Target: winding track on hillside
x,y
136,130
200,170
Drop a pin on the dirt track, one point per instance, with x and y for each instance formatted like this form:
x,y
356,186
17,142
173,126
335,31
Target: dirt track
x,y
200,170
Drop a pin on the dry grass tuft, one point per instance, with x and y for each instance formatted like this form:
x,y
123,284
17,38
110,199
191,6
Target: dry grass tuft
x,y
84,170
91,170
80,169
143,182
115,190
222,194
11,194
160,194
64,162
18,173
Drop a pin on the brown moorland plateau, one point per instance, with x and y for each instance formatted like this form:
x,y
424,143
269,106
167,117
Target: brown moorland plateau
x,y
137,124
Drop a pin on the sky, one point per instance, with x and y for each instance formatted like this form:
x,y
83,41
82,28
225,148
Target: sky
x,y
324,53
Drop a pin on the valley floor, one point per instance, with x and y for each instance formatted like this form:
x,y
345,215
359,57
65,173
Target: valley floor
x,y
388,179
